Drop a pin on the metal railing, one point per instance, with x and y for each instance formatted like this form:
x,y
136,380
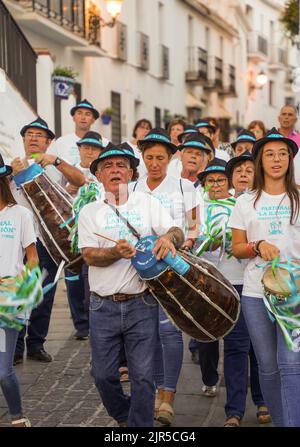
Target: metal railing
x,y
17,58
218,72
165,62
70,14
197,64
143,51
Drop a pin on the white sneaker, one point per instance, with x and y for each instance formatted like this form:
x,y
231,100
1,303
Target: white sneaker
x,y
209,391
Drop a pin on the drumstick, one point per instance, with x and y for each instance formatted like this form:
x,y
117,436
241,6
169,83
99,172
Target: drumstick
x,y
112,240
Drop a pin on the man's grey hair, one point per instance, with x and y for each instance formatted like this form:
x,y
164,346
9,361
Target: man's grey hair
x,y
102,161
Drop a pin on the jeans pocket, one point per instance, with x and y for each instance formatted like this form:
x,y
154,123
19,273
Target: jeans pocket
x,y
96,302
149,301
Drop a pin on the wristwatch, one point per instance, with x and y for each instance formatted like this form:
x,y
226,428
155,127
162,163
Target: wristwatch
x,y
57,162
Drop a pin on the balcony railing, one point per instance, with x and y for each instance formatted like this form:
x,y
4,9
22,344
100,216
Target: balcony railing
x,y
165,63
143,51
122,41
17,57
70,14
258,46
218,72
197,64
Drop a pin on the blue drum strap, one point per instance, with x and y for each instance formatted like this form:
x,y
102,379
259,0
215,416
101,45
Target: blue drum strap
x,y
125,221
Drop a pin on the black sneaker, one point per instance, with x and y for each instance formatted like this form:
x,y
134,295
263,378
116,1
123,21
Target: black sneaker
x,y
18,358
81,335
40,355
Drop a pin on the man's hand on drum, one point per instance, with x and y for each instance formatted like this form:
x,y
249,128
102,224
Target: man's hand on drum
x,y
268,251
162,247
124,249
18,165
45,159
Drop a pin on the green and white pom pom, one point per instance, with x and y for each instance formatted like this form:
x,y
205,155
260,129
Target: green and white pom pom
x,y
90,192
287,312
19,296
216,230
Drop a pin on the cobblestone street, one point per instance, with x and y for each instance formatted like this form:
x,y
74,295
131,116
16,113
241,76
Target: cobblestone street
x,y
62,393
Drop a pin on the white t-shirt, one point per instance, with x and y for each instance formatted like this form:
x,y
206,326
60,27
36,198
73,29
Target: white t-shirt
x,y
232,268
141,167
66,148
16,233
223,155
175,167
145,214
270,221
177,196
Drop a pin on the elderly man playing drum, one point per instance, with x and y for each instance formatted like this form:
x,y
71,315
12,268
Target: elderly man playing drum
x,y
122,311
37,138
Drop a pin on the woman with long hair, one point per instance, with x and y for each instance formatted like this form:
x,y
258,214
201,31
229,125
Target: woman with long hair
x,y
17,239
265,229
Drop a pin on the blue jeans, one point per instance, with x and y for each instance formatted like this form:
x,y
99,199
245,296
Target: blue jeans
x,y
237,350
208,361
279,367
40,316
76,298
8,379
169,354
132,324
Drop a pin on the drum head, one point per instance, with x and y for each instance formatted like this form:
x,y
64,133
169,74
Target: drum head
x,y
277,283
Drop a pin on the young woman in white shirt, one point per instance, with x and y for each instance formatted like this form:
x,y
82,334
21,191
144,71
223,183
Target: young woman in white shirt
x,y
17,239
265,225
179,197
237,345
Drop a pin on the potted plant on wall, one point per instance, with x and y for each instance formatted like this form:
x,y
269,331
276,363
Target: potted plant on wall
x,y
64,80
106,115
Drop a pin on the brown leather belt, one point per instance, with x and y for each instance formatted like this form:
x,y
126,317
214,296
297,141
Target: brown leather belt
x,y
124,296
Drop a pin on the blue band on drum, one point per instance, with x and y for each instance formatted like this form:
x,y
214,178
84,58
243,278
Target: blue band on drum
x,y
3,170
29,174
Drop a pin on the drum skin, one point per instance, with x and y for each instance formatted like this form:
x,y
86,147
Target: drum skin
x,y
47,211
192,305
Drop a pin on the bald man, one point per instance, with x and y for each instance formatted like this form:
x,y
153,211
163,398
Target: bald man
x,y
287,120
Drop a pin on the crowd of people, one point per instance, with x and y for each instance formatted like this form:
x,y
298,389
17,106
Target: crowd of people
x,y
171,184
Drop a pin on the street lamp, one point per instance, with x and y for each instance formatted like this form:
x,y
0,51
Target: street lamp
x,y
95,21
114,8
261,79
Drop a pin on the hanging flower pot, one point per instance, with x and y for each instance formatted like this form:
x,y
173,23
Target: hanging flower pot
x,y
63,86
63,79
106,119
106,115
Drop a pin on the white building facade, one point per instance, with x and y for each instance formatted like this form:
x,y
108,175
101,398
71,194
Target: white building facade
x,y
163,58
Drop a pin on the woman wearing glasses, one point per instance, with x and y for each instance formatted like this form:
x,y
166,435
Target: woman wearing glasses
x,y
215,181
265,225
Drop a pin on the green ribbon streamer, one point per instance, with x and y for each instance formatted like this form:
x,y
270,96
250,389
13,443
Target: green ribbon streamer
x,y
88,193
216,230
285,311
27,296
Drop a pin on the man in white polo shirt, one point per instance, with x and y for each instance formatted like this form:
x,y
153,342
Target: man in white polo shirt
x,y
84,115
122,311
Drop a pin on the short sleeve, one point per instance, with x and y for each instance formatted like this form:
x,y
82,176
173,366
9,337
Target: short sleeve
x,y
86,238
237,218
190,196
28,235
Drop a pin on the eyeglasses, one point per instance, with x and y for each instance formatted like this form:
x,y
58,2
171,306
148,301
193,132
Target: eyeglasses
x,y
218,181
282,155
30,135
